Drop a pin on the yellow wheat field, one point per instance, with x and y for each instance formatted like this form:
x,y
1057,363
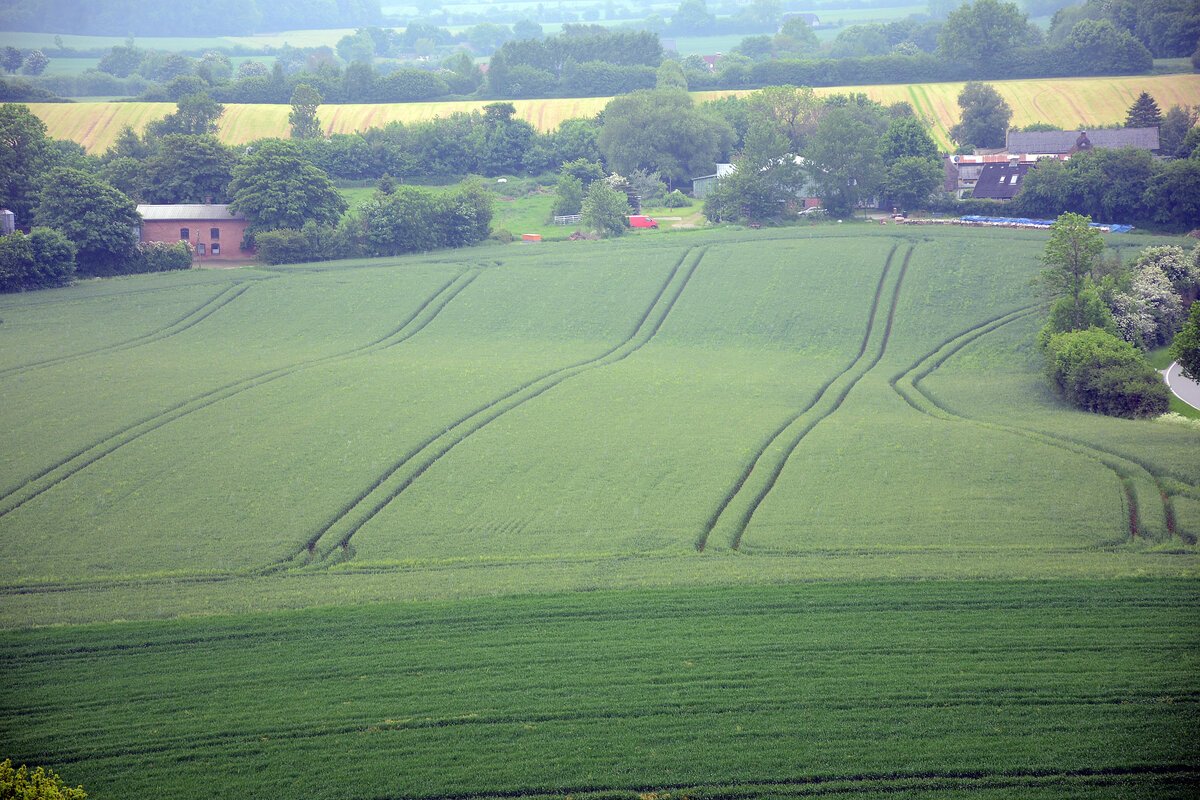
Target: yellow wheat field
x,y
1063,102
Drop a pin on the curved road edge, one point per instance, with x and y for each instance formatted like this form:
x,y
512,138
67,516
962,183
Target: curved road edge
x,y
1186,390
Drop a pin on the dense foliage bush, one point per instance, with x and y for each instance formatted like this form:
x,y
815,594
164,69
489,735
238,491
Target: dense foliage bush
x,y
41,260
1098,372
160,257
39,784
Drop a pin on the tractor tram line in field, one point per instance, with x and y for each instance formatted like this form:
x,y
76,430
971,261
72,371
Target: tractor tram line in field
x,y
736,510
55,474
193,317
1128,472
337,533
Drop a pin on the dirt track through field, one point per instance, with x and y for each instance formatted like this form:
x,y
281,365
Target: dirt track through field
x,y
735,511
193,317
1135,478
81,459
338,532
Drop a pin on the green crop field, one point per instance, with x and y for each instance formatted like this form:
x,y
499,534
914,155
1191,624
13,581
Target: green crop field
x,y
708,514
1066,102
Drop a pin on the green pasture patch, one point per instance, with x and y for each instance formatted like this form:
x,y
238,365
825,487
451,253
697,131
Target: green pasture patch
x,y
70,66
826,402
1039,688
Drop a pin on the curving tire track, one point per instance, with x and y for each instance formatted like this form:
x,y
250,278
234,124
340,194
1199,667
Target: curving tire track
x,y
81,459
193,317
347,521
736,509
1127,471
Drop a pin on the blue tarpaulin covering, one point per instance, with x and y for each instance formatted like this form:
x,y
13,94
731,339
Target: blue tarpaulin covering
x,y
1040,223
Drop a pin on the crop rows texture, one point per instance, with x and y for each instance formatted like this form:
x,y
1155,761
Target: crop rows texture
x,y
1066,102
910,689
632,411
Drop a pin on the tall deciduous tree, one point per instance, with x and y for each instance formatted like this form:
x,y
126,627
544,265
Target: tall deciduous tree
x,y
25,152
188,169
98,219
605,210
35,63
276,187
842,160
661,131
984,119
984,34
303,117
194,114
1071,260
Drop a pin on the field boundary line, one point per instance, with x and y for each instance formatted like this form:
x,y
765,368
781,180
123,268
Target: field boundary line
x,y
734,521
348,520
193,317
1128,471
72,464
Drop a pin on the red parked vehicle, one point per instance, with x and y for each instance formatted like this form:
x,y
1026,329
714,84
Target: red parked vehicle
x,y
642,221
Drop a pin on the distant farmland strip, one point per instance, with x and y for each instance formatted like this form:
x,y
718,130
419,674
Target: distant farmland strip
x,y
1065,102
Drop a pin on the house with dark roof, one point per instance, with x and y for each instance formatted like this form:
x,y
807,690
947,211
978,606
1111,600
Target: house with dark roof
x,y
213,231
1062,143
1000,181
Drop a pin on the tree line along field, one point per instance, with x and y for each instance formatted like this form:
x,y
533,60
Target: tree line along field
x,y
752,513
1065,102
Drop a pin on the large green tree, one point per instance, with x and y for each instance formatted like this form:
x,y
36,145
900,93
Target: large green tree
x,y
25,152
1071,261
984,118
100,221
1098,372
605,210
303,117
662,131
984,34
194,114
842,160
276,187
188,169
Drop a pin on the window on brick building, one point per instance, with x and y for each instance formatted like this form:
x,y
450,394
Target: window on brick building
x,y
185,234
200,248
216,249
214,233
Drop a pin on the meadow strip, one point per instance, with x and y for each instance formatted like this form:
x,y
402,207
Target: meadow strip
x,y
872,686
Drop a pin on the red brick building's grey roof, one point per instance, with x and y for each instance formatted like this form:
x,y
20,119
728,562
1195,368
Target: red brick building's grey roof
x,y
188,211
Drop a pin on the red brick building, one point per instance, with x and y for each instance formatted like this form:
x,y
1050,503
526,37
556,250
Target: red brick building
x,y
214,233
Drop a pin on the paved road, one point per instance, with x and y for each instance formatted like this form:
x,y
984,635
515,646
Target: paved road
x,y
1186,390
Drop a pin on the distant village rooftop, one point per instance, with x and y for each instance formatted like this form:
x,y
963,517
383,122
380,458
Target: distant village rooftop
x,y
1057,142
